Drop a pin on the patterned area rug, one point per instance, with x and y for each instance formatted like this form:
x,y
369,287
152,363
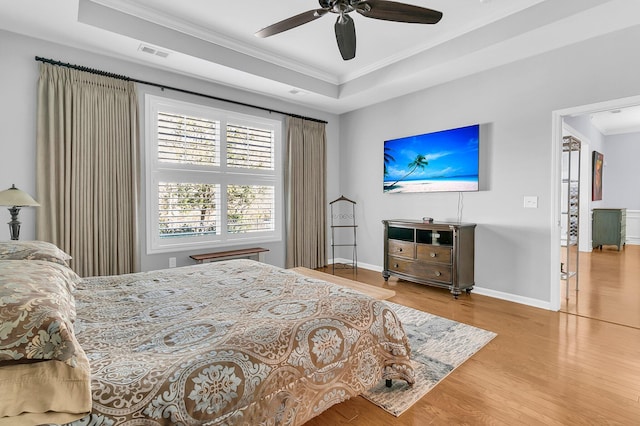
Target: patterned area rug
x,y
438,346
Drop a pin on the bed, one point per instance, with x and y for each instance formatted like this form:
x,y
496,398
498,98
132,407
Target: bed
x,y
225,343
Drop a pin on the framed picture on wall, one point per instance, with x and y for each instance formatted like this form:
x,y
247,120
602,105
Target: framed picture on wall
x,y
596,182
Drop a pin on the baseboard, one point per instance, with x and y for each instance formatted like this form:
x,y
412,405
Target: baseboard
x,y
477,290
536,303
360,264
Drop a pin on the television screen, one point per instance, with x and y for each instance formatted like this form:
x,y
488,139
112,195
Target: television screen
x,y
433,162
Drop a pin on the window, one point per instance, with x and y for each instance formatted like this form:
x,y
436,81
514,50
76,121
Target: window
x,y
213,176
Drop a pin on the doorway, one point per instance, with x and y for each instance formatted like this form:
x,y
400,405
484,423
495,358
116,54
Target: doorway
x,y
592,299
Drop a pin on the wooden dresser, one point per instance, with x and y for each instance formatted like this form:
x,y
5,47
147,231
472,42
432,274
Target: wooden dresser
x,y
609,227
438,253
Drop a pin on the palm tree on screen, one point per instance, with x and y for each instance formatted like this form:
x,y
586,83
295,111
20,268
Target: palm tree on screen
x,y
420,162
388,158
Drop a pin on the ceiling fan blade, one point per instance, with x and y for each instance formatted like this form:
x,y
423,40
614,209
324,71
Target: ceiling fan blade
x,y
289,23
346,36
398,12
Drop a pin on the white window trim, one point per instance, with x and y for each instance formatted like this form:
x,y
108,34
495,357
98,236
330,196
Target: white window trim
x,y
155,172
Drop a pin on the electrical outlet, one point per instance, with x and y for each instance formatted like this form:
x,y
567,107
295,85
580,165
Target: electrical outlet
x,y
530,202
172,262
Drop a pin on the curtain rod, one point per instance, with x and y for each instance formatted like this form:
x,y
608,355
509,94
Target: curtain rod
x,y
162,86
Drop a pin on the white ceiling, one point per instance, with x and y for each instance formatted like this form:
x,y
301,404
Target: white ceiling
x,y
617,121
214,41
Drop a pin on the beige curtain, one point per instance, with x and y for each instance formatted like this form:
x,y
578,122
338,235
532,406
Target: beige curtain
x,y
305,191
87,144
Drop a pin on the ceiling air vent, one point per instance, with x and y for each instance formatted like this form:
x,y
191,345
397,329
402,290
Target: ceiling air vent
x,y
153,51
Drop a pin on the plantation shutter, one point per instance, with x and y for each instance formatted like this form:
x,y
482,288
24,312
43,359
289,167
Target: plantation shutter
x,y
188,140
188,209
249,147
250,208
196,208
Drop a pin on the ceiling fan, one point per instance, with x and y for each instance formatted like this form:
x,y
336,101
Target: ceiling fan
x,y
345,28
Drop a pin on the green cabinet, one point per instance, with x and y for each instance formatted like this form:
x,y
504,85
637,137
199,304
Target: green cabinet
x,y
609,227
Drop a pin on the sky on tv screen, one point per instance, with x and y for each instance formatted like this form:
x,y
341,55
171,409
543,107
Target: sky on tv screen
x,y
443,157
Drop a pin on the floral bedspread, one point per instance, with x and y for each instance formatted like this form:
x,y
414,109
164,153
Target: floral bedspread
x,y
37,312
234,342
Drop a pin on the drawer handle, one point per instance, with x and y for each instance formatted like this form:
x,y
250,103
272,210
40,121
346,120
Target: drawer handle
x,y
433,255
438,273
396,265
399,249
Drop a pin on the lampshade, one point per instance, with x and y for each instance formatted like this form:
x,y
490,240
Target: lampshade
x,y
15,197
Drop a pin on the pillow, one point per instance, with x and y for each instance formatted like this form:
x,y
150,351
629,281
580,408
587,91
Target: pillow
x,y
32,250
37,311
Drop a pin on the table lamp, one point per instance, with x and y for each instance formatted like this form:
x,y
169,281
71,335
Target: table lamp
x,y
15,198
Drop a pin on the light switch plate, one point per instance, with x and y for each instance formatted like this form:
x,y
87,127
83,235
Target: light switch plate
x,y
530,202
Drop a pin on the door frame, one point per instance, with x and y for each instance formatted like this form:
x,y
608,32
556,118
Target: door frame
x,y
556,174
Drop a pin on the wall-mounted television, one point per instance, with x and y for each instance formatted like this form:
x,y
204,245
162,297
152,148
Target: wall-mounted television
x,y
447,160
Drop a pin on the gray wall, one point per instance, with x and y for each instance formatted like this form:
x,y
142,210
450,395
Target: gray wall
x,y
621,177
621,156
582,123
516,103
18,86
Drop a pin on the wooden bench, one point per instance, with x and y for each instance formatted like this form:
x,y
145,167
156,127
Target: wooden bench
x,y
370,290
256,253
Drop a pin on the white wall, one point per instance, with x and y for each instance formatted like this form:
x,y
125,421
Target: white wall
x,y
516,103
18,89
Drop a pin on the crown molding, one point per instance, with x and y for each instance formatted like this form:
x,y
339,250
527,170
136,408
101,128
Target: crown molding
x,y
189,28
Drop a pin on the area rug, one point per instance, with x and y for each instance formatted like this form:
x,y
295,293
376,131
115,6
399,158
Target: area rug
x,y
438,346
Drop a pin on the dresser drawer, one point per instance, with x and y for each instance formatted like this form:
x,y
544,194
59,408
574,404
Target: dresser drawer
x,y
427,271
432,253
401,248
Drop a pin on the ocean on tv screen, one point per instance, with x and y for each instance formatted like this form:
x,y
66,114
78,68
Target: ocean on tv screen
x,y
446,160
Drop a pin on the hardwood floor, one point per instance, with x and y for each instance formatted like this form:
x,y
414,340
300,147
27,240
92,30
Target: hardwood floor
x,y
543,368
609,286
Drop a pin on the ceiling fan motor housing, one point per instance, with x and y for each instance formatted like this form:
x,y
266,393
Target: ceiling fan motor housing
x,y
344,6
